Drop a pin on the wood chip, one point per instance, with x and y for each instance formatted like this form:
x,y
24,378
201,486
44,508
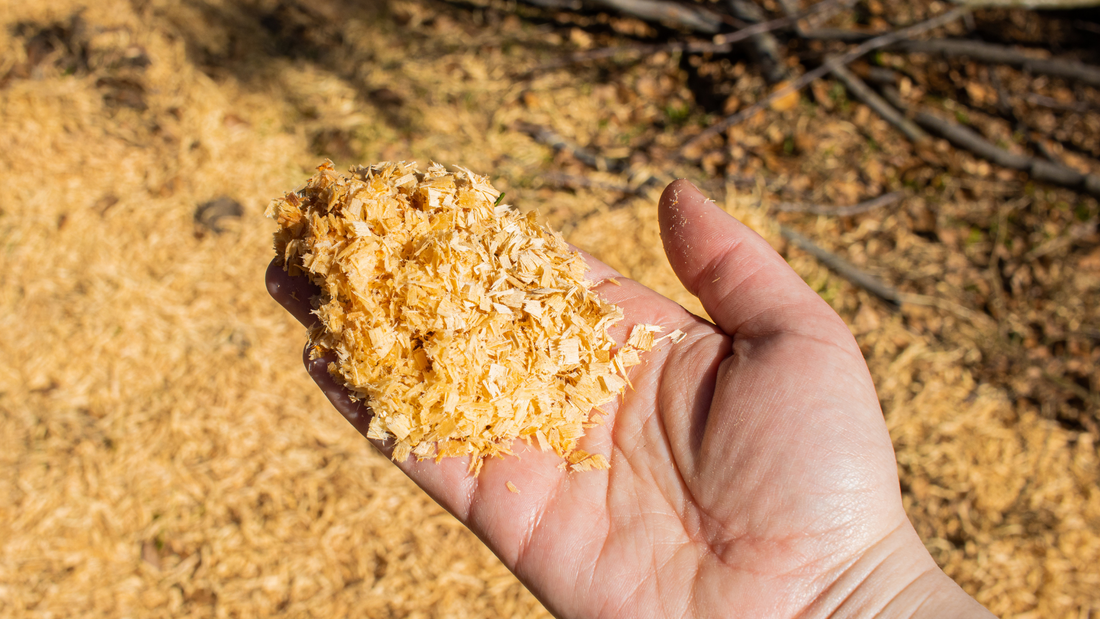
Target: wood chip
x,y
462,323
511,487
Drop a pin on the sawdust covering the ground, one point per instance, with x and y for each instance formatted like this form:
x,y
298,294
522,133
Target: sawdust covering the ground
x,y
164,452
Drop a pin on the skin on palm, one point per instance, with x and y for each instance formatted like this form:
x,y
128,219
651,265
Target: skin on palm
x,y
751,470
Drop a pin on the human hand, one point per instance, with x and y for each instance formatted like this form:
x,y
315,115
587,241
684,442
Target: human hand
x,y
751,470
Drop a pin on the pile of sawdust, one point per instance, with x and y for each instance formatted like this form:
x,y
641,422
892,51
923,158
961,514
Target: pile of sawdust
x,y
463,324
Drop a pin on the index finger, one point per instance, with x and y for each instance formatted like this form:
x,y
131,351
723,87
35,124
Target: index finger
x,y
293,293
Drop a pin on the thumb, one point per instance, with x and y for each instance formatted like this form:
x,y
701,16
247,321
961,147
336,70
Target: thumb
x,y
745,286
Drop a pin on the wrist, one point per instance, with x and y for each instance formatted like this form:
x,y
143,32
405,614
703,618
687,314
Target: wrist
x,y
895,577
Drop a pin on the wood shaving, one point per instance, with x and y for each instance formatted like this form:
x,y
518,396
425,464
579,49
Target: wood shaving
x,y
463,324
511,487
675,337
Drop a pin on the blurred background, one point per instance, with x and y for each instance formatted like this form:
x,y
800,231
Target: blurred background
x,y
162,451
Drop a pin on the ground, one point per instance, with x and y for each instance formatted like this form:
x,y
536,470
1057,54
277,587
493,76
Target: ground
x,y
165,453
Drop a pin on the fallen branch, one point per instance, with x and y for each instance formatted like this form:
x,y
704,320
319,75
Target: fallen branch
x,y
1075,233
880,75
978,319
968,139
1039,169
569,5
1086,26
1004,106
700,20
763,45
864,93
721,44
641,182
999,54
601,53
697,19
880,289
1054,104
547,136
840,34
790,8
828,65
570,180
846,269
842,211
841,266
1039,5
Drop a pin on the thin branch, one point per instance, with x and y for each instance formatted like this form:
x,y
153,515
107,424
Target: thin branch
x,y
841,34
763,45
1039,169
779,23
721,44
569,180
882,290
978,319
1004,106
836,263
999,54
846,269
841,211
864,93
977,50
1054,104
881,75
790,8
1087,26
1075,233
600,53
568,5
697,19
1038,5
547,136
810,76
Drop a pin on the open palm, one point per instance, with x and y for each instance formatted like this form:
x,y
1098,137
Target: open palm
x,y
751,470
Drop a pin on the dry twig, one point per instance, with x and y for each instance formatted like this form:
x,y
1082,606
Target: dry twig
x,y
547,136
721,44
570,180
810,76
864,93
570,5
1054,104
1039,169
999,54
698,19
839,265
763,45
882,290
846,269
1041,5
1075,233
840,34
968,139
1004,106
